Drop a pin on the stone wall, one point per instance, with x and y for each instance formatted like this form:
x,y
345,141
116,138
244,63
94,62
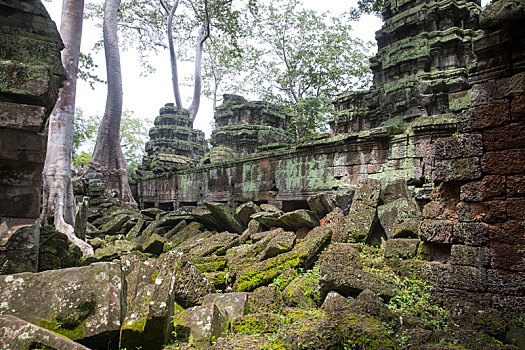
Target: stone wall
x,y
476,217
244,126
424,53
30,75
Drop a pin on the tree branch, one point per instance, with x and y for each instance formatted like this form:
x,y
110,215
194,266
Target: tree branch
x,y
140,29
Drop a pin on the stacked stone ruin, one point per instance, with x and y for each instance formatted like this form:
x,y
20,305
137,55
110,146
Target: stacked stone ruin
x,y
30,75
174,143
424,53
244,126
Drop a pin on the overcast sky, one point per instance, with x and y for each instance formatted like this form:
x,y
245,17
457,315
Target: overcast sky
x,y
144,95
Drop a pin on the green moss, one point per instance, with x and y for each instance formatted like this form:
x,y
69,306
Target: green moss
x,y
56,326
210,264
264,273
136,326
154,275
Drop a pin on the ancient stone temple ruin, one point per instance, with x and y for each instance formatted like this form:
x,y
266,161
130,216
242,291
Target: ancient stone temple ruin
x,y
403,229
30,75
245,126
424,54
173,143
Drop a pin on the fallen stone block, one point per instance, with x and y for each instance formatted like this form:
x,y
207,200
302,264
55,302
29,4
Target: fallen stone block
x,y
232,305
82,303
225,216
200,324
16,333
401,248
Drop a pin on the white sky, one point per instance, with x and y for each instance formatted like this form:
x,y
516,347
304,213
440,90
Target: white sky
x,y
144,95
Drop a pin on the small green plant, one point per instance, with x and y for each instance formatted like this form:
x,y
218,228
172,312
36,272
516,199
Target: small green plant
x,y
520,322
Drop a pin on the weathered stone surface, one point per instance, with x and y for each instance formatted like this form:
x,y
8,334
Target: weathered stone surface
x,y
336,221
154,244
303,255
115,224
321,204
399,218
401,248
55,251
360,222
19,247
245,211
16,333
80,302
231,305
155,289
267,219
303,292
201,324
226,216
350,280
455,277
264,299
334,302
297,219
210,245
263,322
280,243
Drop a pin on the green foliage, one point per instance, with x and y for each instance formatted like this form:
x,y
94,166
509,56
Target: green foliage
x,y
367,7
309,116
308,58
86,67
133,136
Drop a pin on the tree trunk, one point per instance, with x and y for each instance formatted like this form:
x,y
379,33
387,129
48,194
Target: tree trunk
x,y
173,58
108,158
195,103
58,199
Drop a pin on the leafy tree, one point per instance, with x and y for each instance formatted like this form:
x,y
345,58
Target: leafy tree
x,y
308,56
181,26
133,136
367,7
58,200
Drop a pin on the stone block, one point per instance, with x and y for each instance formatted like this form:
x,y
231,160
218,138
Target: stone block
x,y
507,256
297,219
264,299
516,208
488,187
399,218
245,210
231,305
28,82
367,192
336,221
506,282
516,185
22,146
472,233
200,324
512,305
509,162
490,212
321,204
483,92
455,277
80,302
17,334
512,86
360,222
470,256
458,146
450,232
504,137
401,248
458,169
517,108
225,216
351,281
490,115
21,116
510,232
20,202
458,101
303,292
19,248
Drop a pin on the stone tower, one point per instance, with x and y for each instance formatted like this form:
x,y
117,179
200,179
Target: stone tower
x,y
173,141
244,125
424,53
